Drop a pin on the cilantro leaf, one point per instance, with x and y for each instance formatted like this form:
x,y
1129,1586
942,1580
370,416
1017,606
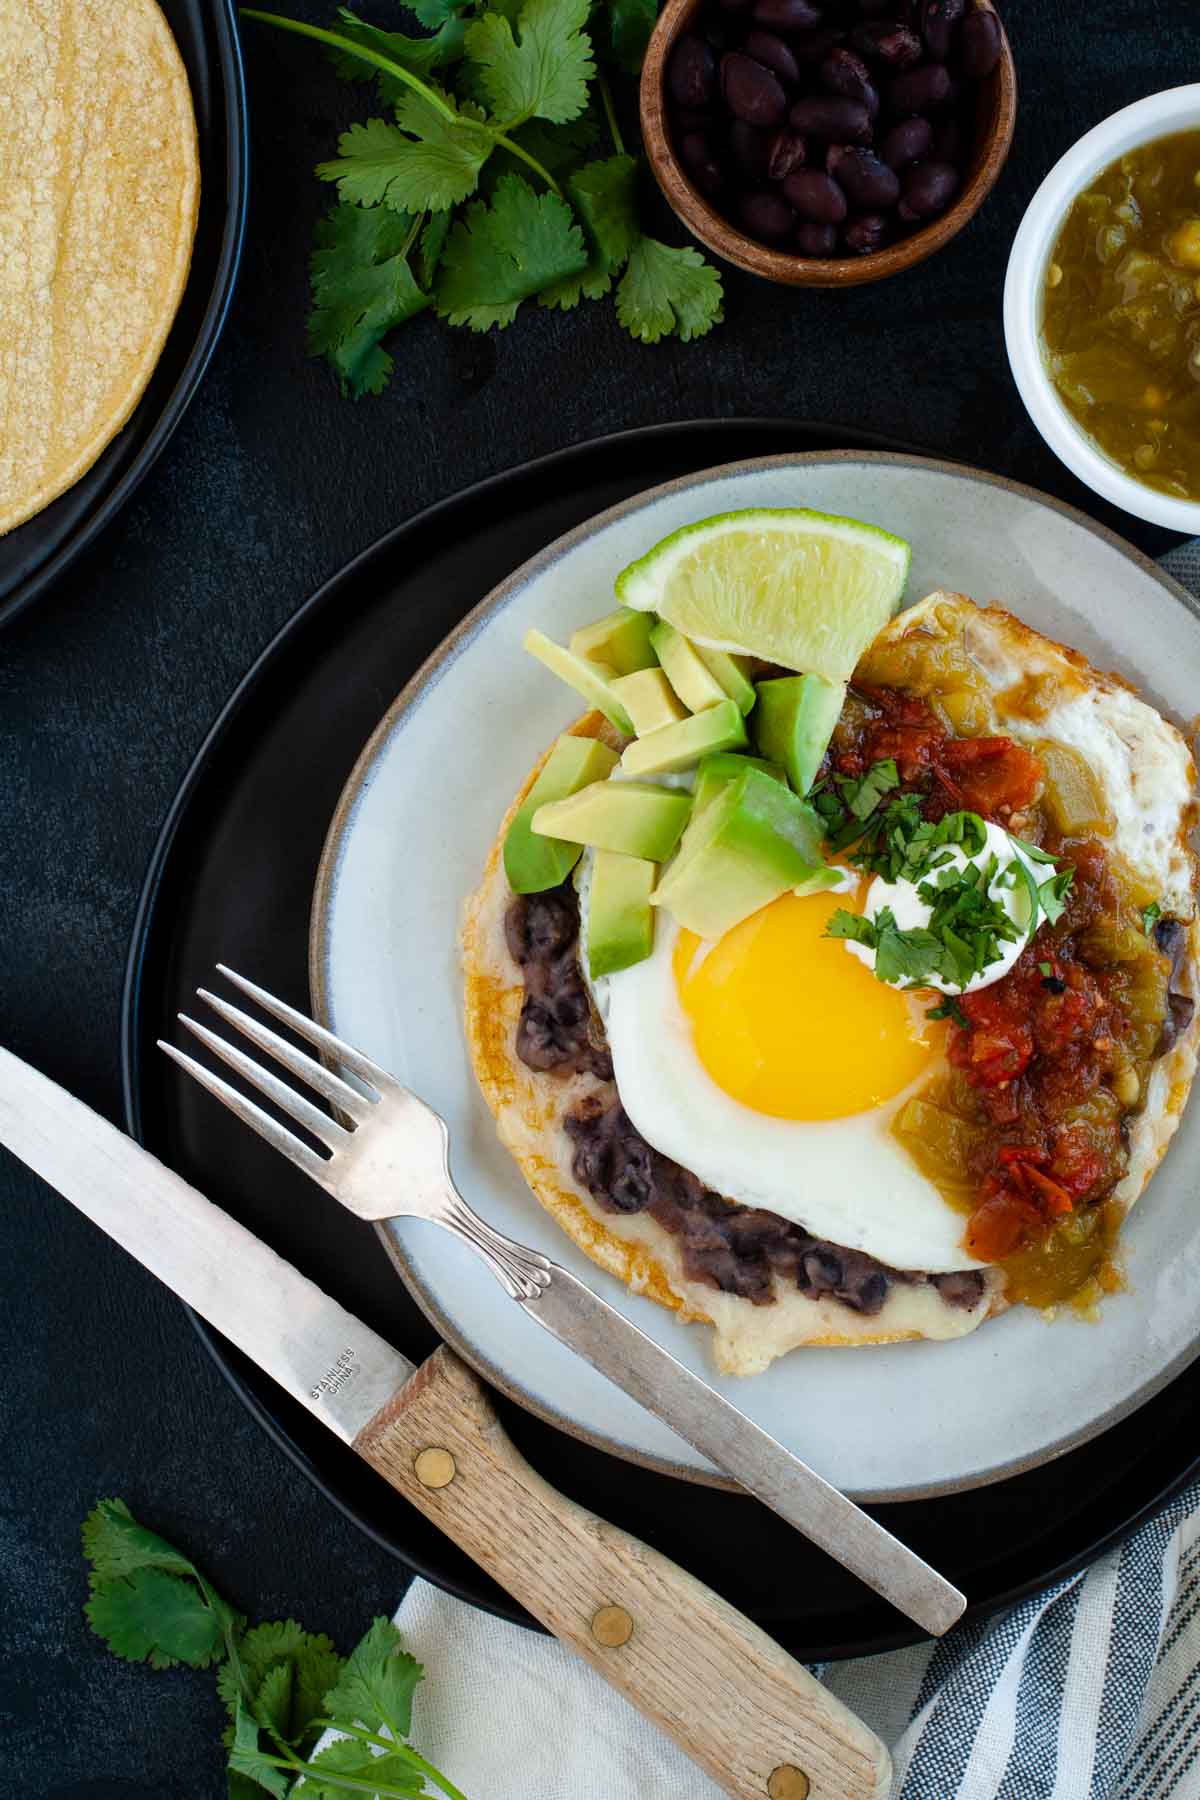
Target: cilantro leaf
x,y
425,162
432,243
864,796
948,1008
418,54
433,13
543,71
605,199
630,23
666,292
377,1682
1150,916
115,1544
502,253
281,1662
362,288
1052,895
151,1616
248,1760
855,926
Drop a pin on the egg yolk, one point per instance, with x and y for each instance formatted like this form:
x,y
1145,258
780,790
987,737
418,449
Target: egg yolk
x,y
790,1024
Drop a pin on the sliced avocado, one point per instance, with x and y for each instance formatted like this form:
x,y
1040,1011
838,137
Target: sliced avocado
x,y
695,684
681,746
618,815
731,672
755,841
531,863
721,766
586,678
794,722
620,924
649,699
620,640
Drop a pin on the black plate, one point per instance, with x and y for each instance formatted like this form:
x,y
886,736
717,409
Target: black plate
x,y
232,880
36,553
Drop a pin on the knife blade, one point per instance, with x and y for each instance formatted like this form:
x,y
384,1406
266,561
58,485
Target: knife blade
x,y
728,1695
319,1353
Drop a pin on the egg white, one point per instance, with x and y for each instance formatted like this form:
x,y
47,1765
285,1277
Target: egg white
x,y
848,1180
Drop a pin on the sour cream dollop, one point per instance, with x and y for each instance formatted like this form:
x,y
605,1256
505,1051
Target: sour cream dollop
x,y
911,912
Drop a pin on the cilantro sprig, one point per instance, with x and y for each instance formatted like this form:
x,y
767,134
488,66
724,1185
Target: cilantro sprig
x,y
968,924
478,192
283,1686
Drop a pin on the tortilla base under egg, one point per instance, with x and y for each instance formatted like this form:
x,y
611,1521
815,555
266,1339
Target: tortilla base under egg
x,y
529,1106
99,195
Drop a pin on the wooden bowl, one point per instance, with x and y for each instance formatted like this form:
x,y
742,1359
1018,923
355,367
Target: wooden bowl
x,y
995,118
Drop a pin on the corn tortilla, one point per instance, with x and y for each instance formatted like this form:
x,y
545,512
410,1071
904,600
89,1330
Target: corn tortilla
x,y
99,193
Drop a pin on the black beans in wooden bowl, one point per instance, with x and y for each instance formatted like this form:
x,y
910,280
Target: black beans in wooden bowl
x,y
830,129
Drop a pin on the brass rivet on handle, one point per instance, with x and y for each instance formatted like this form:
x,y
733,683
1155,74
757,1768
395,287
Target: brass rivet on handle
x,y
435,1467
788,1783
612,1627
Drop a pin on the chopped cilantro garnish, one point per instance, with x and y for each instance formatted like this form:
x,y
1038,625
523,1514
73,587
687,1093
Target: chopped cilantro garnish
x,y
1150,916
949,1009
1045,968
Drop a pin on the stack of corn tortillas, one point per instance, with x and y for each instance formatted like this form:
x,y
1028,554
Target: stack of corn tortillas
x,y
99,190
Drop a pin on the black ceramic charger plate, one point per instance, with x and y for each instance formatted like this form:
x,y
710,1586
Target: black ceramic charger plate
x,y
36,553
232,880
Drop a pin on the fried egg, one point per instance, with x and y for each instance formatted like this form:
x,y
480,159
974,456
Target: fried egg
x,y
771,1064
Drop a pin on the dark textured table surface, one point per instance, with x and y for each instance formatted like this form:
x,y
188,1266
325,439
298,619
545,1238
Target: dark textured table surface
x,y
107,687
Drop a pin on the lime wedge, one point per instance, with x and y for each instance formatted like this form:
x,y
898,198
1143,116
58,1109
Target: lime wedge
x,y
800,588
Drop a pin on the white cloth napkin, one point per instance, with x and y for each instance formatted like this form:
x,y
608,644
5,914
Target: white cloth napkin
x,y
1088,1692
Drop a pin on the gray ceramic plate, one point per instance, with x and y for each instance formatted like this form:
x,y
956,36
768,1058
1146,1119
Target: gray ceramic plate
x,y
407,846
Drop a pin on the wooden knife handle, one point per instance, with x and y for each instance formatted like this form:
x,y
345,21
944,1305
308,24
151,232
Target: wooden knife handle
x,y
736,1703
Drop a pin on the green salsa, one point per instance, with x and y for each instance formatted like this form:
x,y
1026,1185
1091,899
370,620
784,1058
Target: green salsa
x,y
1121,313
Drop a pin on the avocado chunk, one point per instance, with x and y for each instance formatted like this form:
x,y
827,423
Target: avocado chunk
x,y
794,722
681,746
619,815
695,684
620,923
649,699
755,841
588,679
721,766
620,640
531,863
731,672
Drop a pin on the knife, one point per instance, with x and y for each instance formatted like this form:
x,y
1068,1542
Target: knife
x,y
731,1698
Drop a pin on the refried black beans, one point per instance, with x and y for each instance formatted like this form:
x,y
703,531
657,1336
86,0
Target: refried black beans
x,y
741,1250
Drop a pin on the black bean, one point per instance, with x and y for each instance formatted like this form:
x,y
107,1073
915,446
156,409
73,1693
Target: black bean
x,y
773,54
750,149
733,6
786,154
875,9
751,92
722,34
816,196
814,46
691,118
844,73
865,233
938,19
694,149
916,90
866,181
767,216
979,41
888,43
815,240
949,142
786,15
907,143
691,72
710,179
928,188
832,118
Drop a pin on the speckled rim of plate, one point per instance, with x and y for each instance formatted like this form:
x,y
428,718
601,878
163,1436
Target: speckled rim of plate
x,y
426,675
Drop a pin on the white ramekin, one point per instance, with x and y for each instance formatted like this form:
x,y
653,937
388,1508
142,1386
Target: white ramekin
x,y
1158,115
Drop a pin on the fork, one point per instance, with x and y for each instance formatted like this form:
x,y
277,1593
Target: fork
x,y
387,1156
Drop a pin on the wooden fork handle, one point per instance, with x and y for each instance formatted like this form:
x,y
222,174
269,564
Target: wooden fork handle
x,y
736,1703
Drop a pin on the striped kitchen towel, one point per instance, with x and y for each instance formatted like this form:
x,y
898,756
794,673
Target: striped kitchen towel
x,y
1090,1691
